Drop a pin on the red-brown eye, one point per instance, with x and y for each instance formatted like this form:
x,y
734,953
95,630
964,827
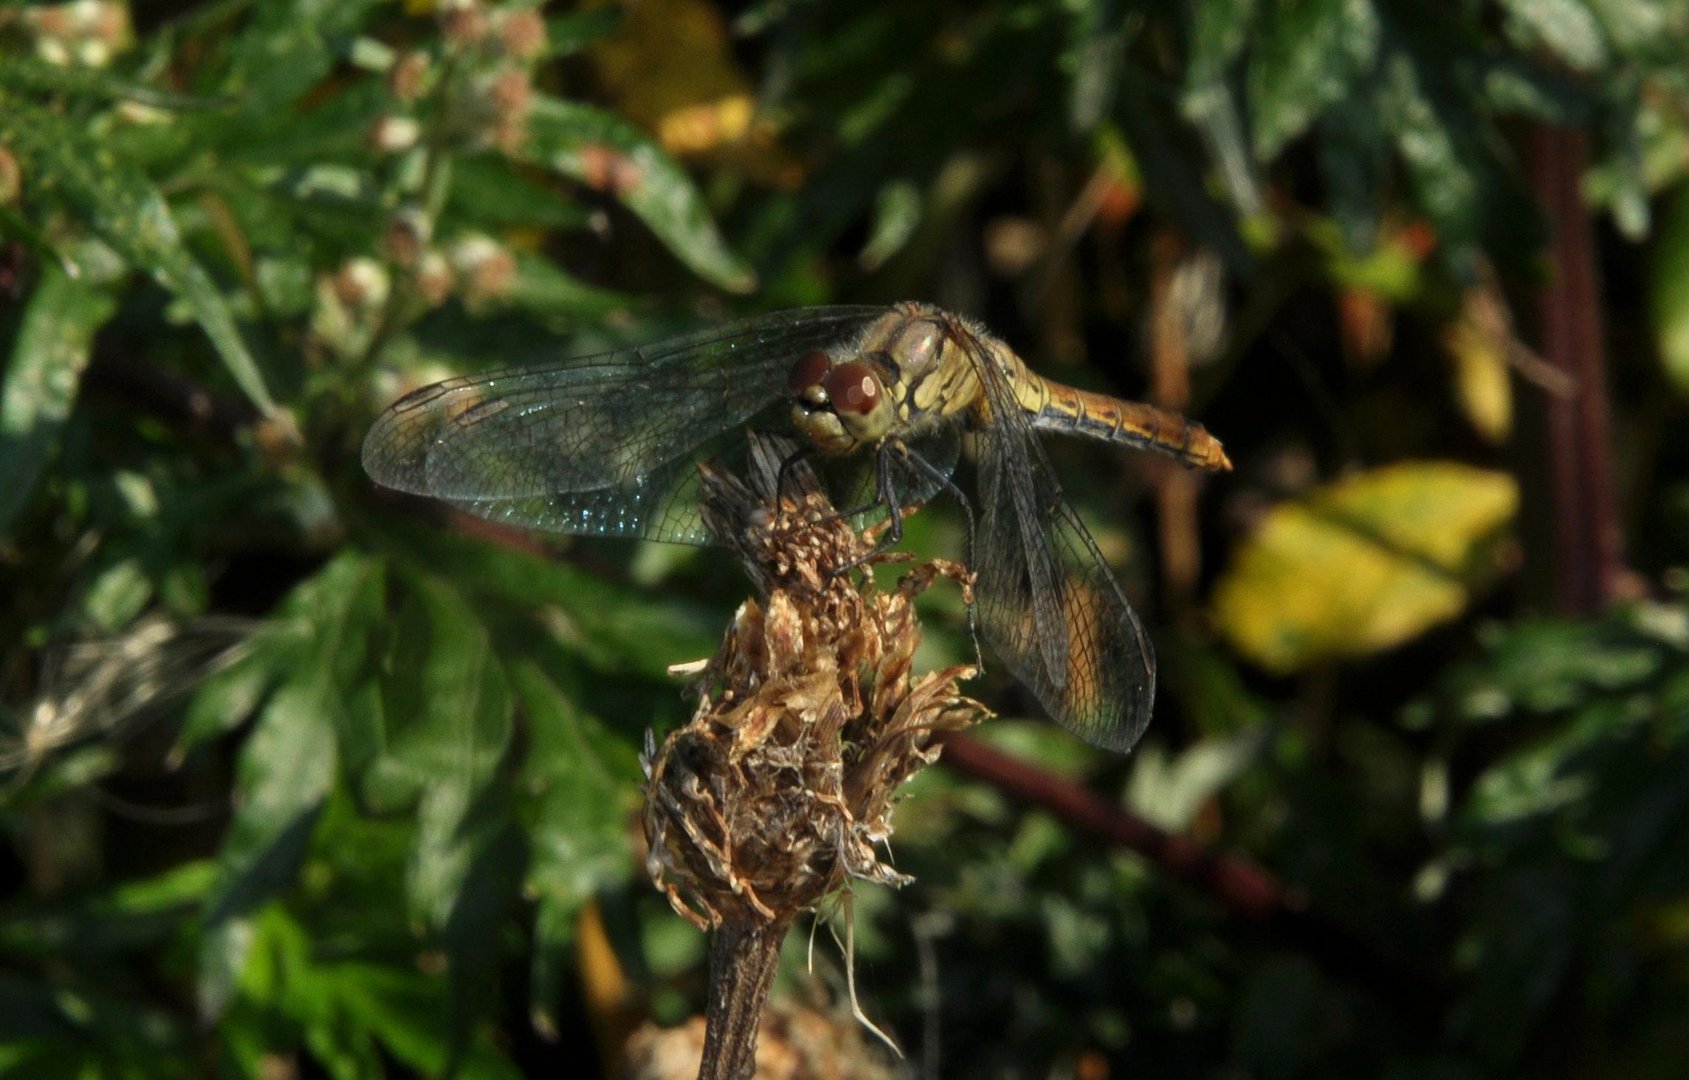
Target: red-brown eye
x,y
852,387
810,369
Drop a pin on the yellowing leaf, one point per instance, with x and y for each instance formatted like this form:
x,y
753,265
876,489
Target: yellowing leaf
x,y
1364,564
670,69
1479,342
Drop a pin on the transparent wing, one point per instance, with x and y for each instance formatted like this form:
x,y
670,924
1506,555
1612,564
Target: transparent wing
x,y
1048,605
902,474
601,445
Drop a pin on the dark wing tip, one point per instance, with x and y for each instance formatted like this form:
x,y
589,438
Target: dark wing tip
x,y
395,452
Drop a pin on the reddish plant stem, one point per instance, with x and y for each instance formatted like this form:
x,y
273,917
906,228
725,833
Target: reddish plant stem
x,y
1587,567
1242,887
744,955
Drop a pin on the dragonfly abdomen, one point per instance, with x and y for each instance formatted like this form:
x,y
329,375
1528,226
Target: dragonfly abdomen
x,y
1056,407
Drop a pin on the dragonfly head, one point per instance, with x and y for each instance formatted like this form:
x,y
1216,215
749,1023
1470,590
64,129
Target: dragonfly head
x,y
838,407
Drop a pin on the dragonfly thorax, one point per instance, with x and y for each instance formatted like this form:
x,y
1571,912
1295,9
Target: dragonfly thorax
x,y
838,407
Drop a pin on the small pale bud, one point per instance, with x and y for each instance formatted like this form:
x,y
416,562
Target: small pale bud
x,y
394,134
362,283
434,278
408,233
408,77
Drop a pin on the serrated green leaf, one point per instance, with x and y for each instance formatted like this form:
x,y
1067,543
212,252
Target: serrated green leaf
x,y
286,770
578,838
1219,31
605,152
287,47
42,378
1565,28
1363,564
1639,26
285,774
580,844
1311,55
400,1008
125,210
29,75
445,708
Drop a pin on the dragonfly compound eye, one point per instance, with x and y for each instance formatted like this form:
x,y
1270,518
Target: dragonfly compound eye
x,y
852,388
807,374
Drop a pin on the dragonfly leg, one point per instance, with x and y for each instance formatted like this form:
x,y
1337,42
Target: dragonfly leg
x,y
947,484
885,497
784,474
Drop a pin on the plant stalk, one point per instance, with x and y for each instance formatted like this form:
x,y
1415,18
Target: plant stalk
x,y
744,955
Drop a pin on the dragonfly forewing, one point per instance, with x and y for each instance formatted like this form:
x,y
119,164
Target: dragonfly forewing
x,y
602,445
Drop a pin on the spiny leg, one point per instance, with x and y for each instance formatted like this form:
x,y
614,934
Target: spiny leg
x,y
783,474
947,484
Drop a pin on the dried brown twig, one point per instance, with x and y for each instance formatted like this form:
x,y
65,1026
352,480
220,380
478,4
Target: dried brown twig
x,y
810,717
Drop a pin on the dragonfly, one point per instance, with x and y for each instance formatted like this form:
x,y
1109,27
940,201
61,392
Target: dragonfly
x,y
608,445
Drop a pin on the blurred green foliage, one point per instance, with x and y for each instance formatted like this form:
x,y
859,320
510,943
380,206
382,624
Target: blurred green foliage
x,y
303,781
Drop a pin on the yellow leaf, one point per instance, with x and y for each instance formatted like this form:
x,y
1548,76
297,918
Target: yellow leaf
x,y
1364,564
670,70
1479,342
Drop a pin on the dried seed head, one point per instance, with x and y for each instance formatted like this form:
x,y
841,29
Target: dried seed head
x,y
810,716
408,77
521,32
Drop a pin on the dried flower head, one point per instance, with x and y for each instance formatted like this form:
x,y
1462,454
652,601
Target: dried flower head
x,y
408,77
463,22
521,32
510,95
810,716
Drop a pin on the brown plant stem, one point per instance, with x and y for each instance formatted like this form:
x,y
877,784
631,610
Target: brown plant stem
x,y
744,955
1588,570
1242,887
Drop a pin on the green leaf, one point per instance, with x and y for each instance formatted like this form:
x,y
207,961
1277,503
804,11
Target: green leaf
x,y
545,290
1219,31
125,210
285,774
1565,28
445,708
487,193
1311,56
32,76
401,1008
568,34
1363,564
1670,288
605,152
287,47
1096,44
1545,667
49,355
578,839
1462,173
